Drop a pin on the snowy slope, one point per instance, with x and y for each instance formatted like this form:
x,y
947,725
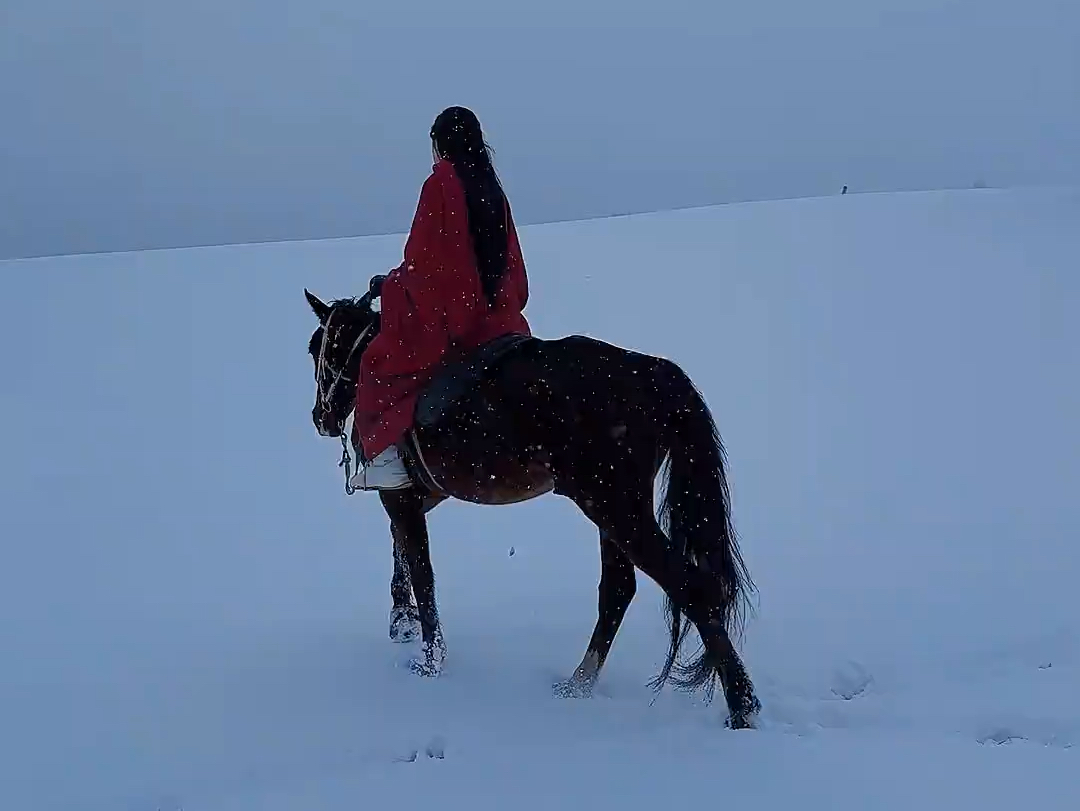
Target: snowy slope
x,y
195,614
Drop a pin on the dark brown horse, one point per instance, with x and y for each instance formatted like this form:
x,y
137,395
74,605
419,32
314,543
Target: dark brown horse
x,y
586,420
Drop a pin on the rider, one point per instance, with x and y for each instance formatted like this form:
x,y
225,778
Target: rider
x,y
462,284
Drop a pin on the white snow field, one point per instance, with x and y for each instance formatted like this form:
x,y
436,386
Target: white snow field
x,y
195,615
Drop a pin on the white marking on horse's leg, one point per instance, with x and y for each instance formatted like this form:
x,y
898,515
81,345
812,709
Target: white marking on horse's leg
x,y
580,685
589,669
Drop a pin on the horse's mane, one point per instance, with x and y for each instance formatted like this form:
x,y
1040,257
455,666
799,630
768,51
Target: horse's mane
x,y
362,302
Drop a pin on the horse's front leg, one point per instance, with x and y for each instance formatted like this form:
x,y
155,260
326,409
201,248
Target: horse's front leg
x,y
404,618
406,509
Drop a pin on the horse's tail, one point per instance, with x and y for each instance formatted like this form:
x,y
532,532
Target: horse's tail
x,y
696,515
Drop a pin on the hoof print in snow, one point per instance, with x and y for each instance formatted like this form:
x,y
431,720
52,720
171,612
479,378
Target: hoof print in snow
x,y
851,681
1043,732
436,749
1000,737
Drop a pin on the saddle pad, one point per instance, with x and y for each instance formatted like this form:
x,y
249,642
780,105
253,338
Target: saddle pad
x,y
456,379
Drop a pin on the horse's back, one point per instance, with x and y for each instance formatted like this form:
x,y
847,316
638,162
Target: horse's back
x,y
526,407
598,381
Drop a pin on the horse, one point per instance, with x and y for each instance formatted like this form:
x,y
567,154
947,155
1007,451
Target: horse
x,y
522,417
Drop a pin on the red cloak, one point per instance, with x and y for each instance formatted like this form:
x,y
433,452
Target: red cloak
x,y
433,310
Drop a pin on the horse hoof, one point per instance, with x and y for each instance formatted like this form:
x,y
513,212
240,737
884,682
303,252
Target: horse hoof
x,y
403,633
741,722
572,688
430,663
746,718
424,669
404,624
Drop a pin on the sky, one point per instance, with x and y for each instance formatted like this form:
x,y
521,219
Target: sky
x,y
132,124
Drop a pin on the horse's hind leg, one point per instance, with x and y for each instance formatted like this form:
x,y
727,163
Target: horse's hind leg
x,y
695,593
406,509
630,524
720,654
618,583
404,618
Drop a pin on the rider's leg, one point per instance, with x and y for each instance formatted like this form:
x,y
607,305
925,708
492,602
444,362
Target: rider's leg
x,y
385,472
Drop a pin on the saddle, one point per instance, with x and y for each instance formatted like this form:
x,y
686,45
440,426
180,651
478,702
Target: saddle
x,y
458,378
447,388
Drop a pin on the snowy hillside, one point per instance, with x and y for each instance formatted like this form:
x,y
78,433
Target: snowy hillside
x,y
195,615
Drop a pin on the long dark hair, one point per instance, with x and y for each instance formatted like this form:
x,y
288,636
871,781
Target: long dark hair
x,y
457,137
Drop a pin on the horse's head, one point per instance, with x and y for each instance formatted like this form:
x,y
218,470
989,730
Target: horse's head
x,y
345,328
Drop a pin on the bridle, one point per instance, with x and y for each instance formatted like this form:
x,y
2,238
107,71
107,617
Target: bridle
x,y
323,369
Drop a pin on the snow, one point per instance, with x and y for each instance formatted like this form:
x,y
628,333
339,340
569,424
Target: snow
x,y
195,615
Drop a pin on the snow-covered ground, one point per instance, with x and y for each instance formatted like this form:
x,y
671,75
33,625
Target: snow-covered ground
x,y
195,615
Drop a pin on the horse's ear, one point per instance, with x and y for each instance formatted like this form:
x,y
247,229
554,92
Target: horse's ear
x,y
321,310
